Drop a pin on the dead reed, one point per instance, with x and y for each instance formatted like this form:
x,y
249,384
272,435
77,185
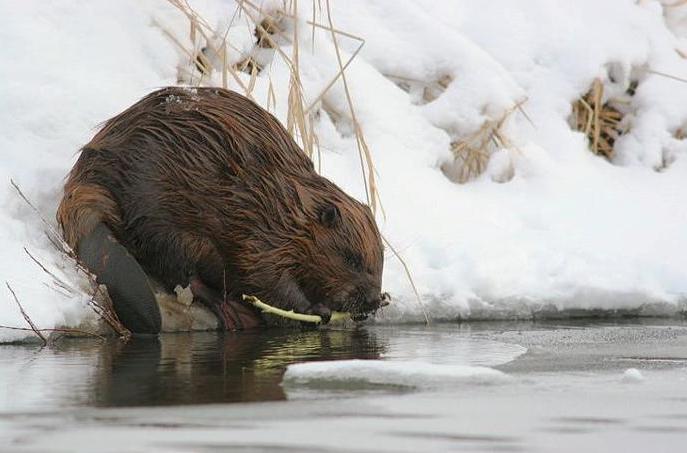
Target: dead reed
x,y
599,120
472,152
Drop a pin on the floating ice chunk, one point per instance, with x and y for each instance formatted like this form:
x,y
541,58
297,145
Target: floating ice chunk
x,y
392,373
632,375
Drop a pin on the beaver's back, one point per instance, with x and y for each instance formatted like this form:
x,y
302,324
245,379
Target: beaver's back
x,y
177,148
191,140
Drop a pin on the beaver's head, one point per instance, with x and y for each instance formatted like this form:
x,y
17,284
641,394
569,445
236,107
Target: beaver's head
x,y
342,253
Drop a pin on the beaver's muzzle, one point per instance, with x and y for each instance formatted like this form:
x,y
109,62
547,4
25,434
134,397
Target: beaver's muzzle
x,y
361,311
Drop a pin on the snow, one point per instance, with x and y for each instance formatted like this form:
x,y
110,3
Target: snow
x,y
547,227
633,375
396,373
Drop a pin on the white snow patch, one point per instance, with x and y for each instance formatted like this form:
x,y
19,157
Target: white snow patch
x,y
391,373
633,375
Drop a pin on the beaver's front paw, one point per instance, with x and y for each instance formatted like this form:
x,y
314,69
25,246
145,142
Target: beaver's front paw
x,y
322,311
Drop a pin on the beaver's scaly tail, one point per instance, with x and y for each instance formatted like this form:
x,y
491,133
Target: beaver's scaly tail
x,y
84,215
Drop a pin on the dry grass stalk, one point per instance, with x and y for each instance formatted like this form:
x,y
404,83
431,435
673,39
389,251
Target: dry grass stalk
x,y
363,149
431,90
409,275
225,82
269,27
211,52
203,63
58,282
472,153
598,120
297,122
312,22
669,76
302,116
71,332
26,317
251,67
331,83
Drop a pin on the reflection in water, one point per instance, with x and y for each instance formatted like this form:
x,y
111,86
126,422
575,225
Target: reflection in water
x,y
214,368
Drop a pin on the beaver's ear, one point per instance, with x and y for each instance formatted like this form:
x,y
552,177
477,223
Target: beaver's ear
x,y
305,197
329,215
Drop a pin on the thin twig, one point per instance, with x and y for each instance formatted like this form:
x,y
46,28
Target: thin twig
x,y
65,331
26,316
58,281
51,228
410,278
669,76
336,77
362,145
313,23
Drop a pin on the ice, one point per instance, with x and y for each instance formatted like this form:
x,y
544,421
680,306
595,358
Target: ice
x,y
388,373
633,375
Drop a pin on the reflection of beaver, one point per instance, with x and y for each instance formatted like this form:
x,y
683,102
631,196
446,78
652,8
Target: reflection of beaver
x,y
204,187
209,368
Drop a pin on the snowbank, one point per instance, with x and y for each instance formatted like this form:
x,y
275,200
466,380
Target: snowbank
x,y
547,226
362,373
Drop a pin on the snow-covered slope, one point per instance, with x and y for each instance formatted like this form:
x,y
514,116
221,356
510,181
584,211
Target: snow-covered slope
x,y
547,226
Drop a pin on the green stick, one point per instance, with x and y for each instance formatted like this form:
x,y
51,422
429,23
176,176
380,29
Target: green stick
x,y
336,316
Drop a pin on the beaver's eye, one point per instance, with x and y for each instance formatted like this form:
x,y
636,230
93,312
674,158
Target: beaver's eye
x,y
329,215
354,260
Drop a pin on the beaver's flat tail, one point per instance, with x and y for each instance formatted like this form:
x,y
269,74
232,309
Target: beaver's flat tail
x,y
127,284
83,215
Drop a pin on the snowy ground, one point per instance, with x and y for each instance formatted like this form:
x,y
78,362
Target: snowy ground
x,y
547,226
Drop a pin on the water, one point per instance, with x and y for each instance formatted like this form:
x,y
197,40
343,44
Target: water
x,y
561,387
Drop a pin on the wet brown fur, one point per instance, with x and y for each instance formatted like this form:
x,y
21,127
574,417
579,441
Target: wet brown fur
x,y
205,182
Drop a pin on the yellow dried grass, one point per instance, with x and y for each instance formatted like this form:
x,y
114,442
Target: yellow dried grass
x,y
472,153
600,121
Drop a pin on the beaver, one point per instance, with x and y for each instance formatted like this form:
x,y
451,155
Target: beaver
x,y
203,187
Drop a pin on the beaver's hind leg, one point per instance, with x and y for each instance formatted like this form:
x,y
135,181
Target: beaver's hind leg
x,y
233,315
178,258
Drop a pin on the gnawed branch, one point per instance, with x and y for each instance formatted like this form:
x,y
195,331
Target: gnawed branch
x,y
337,316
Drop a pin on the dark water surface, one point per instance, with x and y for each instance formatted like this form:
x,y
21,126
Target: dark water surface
x,y
558,386
216,368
